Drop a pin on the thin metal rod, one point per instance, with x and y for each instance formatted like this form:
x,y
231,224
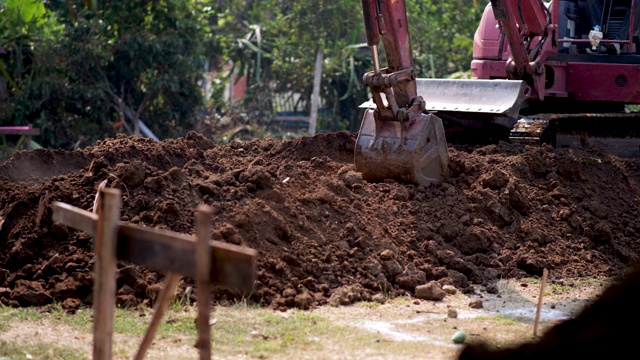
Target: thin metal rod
x,y
376,59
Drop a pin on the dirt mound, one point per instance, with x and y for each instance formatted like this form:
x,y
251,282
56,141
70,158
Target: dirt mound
x,y
505,211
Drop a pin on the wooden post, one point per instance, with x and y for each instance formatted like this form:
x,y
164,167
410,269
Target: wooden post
x,y
545,272
315,97
204,215
104,287
161,305
225,264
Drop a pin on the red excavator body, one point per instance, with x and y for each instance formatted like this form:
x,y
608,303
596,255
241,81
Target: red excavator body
x,y
566,63
581,59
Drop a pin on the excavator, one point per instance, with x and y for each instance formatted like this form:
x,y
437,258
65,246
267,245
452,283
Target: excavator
x,y
560,73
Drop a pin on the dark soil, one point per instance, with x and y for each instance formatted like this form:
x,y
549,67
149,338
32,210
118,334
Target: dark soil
x,y
506,211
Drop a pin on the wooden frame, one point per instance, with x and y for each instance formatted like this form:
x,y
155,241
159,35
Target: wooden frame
x,y
225,264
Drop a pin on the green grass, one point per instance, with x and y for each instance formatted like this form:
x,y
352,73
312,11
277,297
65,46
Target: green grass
x,y
41,351
22,314
505,320
567,285
368,304
263,333
251,331
401,300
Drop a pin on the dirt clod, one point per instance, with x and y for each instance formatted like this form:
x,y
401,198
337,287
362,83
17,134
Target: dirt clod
x,y
476,304
430,291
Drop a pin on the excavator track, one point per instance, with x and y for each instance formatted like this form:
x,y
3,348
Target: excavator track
x,y
614,133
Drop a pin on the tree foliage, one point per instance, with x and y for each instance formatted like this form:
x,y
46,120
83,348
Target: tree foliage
x,y
113,63
85,69
291,32
444,31
23,25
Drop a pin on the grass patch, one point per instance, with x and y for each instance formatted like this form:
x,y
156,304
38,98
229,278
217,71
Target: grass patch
x,y
264,333
21,314
368,304
568,285
364,330
43,351
505,320
401,300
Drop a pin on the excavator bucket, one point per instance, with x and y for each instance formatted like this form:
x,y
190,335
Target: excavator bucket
x,y
501,98
416,150
412,151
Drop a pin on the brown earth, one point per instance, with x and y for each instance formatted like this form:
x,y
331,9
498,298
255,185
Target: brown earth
x,y
321,232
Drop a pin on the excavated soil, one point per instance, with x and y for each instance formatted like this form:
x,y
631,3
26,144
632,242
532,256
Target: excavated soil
x,y
323,235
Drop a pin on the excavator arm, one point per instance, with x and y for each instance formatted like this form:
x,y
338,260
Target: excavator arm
x,y
397,81
398,138
529,31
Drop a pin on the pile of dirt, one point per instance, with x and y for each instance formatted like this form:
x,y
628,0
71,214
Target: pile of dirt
x,y
506,211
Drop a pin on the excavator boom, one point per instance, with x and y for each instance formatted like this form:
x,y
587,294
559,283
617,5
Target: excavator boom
x,y
397,138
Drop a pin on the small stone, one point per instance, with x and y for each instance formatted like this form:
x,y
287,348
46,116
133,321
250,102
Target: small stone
x,y
387,255
492,289
352,179
379,298
459,337
304,301
71,305
430,291
392,267
476,304
450,289
289,293
452,313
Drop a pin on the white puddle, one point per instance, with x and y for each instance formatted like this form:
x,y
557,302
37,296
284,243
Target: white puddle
x,y
388,328
545,314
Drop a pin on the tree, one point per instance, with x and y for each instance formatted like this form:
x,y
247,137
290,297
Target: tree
x,y
443,31
23,24
292,31
275,43
114,63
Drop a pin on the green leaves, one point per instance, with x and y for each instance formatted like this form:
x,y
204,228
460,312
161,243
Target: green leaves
x,y
291,31
443,30
25,10
120,59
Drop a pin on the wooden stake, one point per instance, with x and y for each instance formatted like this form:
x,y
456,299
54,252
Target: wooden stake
x,y
545,272
104,282
315,96
204,215
161,305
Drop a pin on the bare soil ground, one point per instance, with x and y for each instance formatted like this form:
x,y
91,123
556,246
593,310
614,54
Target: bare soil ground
x,y
323,235
402,328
